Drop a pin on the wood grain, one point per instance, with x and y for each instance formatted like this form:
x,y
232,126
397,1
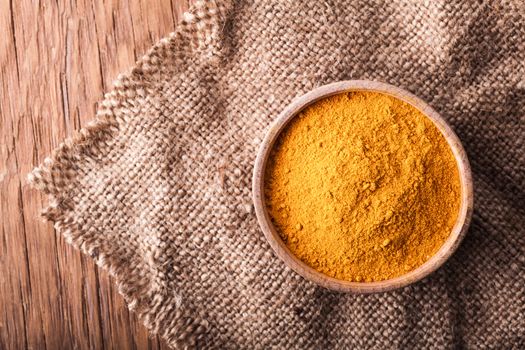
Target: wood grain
x,y
56,60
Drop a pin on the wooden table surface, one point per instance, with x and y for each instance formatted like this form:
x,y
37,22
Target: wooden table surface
x,y
56,60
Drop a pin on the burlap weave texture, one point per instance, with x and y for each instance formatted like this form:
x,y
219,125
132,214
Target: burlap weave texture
x,y
157,189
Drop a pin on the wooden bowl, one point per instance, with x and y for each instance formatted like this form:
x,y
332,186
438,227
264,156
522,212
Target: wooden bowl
x,y
458,231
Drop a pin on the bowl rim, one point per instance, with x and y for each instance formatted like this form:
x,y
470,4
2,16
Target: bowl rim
x,y
279,247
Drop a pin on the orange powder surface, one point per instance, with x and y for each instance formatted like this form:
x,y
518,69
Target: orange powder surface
x,y
362,187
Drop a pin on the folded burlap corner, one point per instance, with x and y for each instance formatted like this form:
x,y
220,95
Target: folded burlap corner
x,y
157,189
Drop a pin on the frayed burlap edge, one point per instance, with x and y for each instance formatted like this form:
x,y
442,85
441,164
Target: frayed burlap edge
x,y
198,33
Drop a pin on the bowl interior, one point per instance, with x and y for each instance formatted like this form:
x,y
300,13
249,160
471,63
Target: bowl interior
x,y
280,248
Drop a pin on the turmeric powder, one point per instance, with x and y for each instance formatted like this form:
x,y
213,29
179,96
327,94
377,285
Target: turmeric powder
x,y
362,186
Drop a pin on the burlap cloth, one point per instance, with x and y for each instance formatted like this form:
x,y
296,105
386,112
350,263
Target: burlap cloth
x,y
157,190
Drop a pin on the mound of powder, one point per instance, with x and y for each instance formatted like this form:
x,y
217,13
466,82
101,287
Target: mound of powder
x,y
362,187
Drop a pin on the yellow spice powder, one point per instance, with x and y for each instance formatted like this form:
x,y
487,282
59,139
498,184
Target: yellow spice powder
x,y
362,187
